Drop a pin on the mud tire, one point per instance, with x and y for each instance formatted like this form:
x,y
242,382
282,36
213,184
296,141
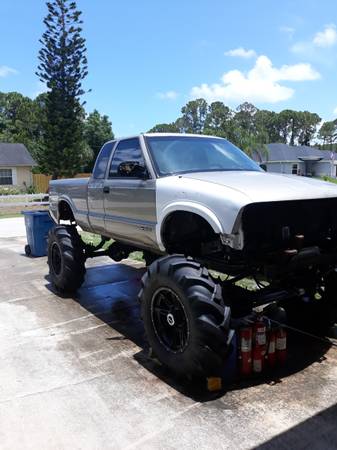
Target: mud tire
x,y
66,259
188,282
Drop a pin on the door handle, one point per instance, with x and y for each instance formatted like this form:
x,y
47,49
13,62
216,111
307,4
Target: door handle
x,y
106,189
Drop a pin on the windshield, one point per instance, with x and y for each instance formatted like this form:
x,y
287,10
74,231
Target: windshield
x,y
181,154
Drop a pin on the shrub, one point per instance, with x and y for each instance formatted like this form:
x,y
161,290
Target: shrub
x,y
9,190
31,190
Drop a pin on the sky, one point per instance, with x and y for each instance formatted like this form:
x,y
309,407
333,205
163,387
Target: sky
x,y
147,58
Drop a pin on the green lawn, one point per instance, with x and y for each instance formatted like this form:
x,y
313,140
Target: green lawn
x,y
95,239
326,178
9,215
246,283
90,238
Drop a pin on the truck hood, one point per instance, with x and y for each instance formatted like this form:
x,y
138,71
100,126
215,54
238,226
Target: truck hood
x,y
264,187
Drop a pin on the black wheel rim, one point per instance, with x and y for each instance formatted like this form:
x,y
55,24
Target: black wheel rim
x,y
169,320
56,259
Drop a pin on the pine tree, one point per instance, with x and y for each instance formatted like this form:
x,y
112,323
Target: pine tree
x,y
97,131
62,67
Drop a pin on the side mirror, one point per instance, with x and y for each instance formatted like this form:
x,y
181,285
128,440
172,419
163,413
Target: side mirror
x,y
132,169
264,167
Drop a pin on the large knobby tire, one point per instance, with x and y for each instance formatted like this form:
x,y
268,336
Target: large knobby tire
x,y
66,258
185,319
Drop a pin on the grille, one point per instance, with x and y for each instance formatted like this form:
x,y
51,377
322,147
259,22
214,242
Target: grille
x,y
264,223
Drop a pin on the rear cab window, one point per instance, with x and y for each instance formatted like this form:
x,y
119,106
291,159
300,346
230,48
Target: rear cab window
x,y
102,161
128,150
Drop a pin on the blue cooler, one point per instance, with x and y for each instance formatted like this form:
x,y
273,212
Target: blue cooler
x,y
38,224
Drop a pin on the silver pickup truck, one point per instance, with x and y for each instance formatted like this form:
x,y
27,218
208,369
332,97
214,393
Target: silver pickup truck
x,y
192,203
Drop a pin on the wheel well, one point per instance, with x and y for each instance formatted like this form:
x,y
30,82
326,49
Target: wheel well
x,y
65,211
186,232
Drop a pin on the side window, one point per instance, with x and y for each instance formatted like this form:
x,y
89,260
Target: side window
x,y
129,153
102,160
6,176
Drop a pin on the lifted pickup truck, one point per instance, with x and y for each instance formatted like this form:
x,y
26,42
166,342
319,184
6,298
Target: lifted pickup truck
x,y
194,203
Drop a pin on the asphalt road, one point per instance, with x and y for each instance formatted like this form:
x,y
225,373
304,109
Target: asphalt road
x,y
75,374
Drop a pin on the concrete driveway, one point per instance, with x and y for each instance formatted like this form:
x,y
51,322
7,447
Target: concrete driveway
x,y
12,227
75,374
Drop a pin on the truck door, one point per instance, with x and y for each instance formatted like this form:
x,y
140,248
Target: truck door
x,y
130,196
95,189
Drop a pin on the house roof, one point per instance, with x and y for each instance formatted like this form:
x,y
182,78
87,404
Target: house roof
x,y
284,152
15,155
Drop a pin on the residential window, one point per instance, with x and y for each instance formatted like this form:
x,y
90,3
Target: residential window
x,y
294,169
6,177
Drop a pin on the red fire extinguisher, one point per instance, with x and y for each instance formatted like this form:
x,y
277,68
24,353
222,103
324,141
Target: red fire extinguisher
x,y
260,345
281,346
271,353
258,360
245,355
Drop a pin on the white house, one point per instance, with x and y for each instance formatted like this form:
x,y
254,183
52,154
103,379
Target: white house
x,y
298,160
16,165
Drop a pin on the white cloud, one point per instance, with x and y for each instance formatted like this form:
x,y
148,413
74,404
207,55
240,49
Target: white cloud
x,y
303,47
168,95
321,40
288,30
326,38
241,53
296,72
335,110
5,71
260,84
